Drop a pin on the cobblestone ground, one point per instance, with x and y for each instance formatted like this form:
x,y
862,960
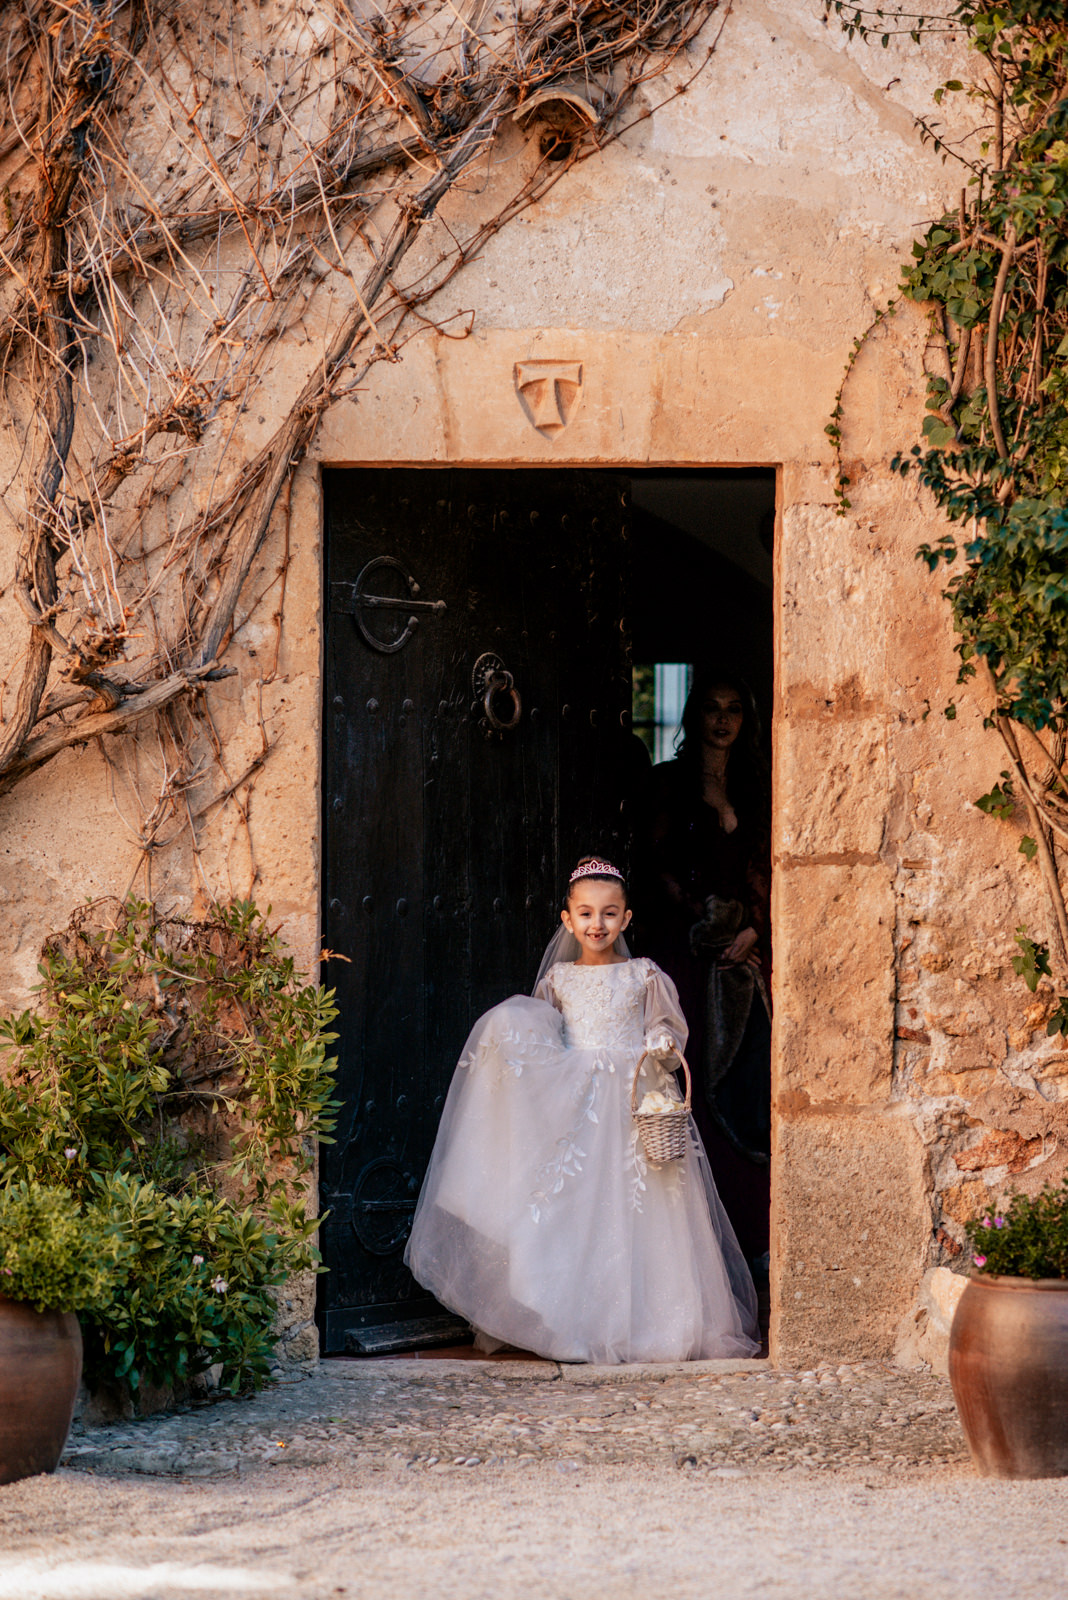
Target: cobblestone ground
x,y
523,1481
440,1416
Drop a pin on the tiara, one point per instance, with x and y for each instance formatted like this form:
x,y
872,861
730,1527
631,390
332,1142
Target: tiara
x,y
596,869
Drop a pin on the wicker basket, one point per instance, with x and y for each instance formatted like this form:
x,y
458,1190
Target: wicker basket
x,y
665,1134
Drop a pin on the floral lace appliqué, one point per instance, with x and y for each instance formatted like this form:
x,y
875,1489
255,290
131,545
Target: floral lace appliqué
x,y
602,1006
670,1177
511,1050
637,1169
567,1160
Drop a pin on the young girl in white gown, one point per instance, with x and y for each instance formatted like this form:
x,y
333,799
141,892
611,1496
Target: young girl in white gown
x,y
540,1220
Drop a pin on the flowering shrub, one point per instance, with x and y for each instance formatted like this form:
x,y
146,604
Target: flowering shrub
x,y
1028,1240
173,1083
54,1253
196,1285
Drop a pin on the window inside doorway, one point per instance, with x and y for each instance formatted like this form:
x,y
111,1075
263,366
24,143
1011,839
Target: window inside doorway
x,y
658,697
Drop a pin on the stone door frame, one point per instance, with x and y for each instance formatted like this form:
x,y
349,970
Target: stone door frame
x,y
329,455
850,1213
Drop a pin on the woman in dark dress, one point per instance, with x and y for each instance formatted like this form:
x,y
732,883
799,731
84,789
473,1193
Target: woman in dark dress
x,y
709,865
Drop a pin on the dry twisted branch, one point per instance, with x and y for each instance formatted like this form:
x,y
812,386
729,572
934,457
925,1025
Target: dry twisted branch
x,y
182,182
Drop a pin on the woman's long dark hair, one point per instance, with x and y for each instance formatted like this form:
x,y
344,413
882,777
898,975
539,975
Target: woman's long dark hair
x,y
748,777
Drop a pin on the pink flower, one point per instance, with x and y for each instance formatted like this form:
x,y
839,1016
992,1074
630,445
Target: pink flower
x,y
9,1272
198,1261
70,1152
999,1222
986,1222
980,1261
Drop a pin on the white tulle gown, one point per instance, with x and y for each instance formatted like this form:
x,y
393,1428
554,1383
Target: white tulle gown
x,y
541,1221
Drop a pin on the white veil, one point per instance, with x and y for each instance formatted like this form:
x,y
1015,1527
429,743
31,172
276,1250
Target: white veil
x,y
563,946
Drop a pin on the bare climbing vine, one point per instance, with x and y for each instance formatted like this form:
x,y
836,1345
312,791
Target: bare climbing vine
x,y
180,186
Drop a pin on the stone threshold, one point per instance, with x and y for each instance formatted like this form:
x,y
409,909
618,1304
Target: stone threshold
x,y
431,1370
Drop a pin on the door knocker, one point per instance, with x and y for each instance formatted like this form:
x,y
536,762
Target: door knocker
x,y
493,684
355,598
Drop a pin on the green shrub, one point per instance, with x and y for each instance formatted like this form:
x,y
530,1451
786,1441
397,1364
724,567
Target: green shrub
x,y
196,1284
55,1253
174,1080
1028,1240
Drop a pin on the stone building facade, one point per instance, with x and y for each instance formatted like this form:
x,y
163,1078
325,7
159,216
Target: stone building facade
x,y
688,299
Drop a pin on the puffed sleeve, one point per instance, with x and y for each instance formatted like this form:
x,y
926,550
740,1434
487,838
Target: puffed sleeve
x,y
546,990
663,1014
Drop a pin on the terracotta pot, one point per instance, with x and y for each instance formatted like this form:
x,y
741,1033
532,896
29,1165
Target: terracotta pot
x,y
1008,1364
40,1369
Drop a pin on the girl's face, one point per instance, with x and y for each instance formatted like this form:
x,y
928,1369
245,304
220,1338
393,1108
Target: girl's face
x,y
722,715
596,913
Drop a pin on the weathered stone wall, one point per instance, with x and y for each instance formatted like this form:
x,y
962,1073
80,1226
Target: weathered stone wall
x,y
708,272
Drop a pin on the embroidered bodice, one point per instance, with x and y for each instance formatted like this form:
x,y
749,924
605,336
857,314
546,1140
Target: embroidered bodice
x,y
602,1006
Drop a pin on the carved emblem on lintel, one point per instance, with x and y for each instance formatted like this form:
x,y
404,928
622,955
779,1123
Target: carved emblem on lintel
x,y
549,392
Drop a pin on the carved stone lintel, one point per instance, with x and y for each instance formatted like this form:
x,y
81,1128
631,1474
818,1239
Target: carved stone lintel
x,y
549,392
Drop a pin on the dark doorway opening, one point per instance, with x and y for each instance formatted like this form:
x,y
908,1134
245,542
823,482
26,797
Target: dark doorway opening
x,y
497,643
700,584
701,605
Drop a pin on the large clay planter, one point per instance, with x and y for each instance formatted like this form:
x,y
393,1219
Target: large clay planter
x,y
1008,1364
40,1369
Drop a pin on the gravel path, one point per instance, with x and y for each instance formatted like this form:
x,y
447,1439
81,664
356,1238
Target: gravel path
x,y
471,1480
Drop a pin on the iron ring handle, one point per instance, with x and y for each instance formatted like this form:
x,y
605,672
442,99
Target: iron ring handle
x,y
499,682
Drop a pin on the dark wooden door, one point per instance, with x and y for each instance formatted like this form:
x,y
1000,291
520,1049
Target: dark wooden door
x,y
446,837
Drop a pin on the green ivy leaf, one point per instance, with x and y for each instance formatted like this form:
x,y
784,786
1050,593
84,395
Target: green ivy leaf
x,y
938,432
1000,801
1033,961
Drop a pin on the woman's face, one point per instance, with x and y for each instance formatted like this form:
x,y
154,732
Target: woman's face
x,y
722,715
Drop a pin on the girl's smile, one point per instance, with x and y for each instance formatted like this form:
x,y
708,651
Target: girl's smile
x,y
597,914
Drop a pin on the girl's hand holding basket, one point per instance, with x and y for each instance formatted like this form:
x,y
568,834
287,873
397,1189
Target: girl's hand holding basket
x,y
661,1120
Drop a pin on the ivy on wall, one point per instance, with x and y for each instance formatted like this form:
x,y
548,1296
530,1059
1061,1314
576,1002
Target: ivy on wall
x,y
993,274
